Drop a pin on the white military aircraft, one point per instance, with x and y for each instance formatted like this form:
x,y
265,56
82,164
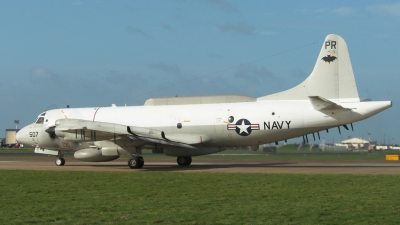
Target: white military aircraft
x,y
200,125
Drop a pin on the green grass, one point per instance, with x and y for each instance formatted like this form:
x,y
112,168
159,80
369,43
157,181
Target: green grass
x,y
58,197
16,150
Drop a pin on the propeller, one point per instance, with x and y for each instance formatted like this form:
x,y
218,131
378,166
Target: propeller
x,y
51,130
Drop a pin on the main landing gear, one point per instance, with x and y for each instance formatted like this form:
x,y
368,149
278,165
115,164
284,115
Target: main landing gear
x,y
184,161
60,161
136,162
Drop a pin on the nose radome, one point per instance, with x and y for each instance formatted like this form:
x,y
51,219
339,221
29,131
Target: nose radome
x,y
22,136
18,135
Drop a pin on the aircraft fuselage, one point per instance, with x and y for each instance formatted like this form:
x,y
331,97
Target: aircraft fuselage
x,y
232,124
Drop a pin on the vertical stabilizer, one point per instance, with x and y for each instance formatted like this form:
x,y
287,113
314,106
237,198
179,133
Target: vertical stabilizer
x,y
332,77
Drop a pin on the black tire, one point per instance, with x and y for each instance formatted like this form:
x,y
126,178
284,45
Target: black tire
x,y
60,162
184,161
136,162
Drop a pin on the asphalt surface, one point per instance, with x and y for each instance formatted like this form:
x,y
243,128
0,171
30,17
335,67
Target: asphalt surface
x,y
30,161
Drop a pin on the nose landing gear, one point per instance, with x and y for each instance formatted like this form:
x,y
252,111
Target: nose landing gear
x,y
60,161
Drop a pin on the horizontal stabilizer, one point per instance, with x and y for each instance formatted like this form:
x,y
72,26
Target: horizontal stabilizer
x,y
320,104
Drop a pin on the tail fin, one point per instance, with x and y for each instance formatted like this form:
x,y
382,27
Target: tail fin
x,y
332,77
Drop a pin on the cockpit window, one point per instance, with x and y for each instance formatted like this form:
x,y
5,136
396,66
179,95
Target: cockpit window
x,y
40,120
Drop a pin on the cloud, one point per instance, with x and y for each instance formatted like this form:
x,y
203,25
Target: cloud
x,y
313,11
65,89
392,9
40,73
167,27
64,82
382,36
223,5
253,73
135,30
174,69
215,55
320,10
77,3
131,79
239,28
344,11
298,73
268,33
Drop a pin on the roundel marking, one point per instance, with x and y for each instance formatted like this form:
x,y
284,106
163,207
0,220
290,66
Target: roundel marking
x,y
243,127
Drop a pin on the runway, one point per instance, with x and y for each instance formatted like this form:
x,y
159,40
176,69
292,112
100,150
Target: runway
x,y
41,162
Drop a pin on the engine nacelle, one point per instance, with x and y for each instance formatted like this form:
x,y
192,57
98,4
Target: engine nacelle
x,y
93,155
191,152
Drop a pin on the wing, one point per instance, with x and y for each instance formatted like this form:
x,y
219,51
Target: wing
x,y
84,131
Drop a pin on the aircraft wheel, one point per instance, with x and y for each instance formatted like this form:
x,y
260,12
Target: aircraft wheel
x,y
136,162
184,161
60,162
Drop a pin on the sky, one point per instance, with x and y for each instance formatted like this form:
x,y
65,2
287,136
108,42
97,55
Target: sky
x,y
98,53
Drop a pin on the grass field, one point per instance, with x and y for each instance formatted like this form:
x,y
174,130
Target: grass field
x,y
16,150
58,197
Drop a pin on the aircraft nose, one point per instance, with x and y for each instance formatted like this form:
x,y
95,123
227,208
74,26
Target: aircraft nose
x,y
22,136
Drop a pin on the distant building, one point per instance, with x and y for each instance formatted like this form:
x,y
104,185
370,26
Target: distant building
x,y
387,147
269,148
357,143
10,136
